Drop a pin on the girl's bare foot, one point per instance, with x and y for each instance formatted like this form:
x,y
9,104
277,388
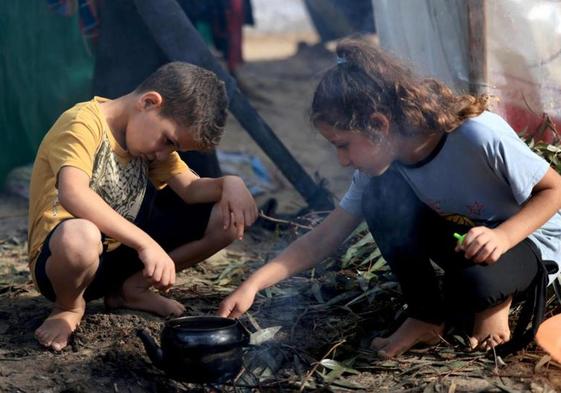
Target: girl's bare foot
x,y
55,331
491,327
411,332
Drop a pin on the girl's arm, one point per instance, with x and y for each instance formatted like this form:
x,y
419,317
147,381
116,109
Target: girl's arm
x,y
302,254
487,245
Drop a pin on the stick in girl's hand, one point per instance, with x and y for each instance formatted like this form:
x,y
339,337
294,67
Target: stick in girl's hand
x,y
460,238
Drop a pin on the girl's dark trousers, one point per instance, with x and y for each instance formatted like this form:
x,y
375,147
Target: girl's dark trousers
x,y
410,234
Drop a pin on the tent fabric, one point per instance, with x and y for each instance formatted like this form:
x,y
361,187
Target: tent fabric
x,y
334,19
522,55
432,36
45,67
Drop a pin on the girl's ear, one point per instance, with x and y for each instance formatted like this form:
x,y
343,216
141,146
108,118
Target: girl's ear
x,y
380,122
149,100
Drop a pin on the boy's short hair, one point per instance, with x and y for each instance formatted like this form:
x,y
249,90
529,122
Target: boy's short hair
x,y
192,97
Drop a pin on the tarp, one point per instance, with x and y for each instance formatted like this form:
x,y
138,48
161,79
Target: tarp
x,y
521,50
334,19
45,68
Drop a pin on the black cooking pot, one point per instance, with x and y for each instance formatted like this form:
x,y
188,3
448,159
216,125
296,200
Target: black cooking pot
x,y
198,349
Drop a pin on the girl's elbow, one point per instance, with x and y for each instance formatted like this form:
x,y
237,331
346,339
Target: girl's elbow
x,y
556,189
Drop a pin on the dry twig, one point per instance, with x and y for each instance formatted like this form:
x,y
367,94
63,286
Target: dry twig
x,y
313,370
286,222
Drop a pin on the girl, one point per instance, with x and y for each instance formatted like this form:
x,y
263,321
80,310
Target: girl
x,y
429,163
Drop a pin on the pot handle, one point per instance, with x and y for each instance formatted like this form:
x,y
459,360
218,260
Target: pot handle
x,y
246,335
153,351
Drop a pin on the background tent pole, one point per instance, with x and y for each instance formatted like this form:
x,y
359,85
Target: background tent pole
x,y
477,46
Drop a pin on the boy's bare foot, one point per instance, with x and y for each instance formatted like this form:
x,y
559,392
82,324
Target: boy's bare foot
x,y
411,332
136,294
55,331
146,300
491,327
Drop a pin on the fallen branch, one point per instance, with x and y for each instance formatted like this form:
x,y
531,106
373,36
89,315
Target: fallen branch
x,y
286,222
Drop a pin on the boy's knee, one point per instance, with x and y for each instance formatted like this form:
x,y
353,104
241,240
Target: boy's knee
x,y
77,240
221,237
229,235
218,236
215,231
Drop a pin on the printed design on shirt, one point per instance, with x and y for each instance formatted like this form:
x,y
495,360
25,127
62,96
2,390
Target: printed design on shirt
x,y
475,208
121,185
54,206
459,219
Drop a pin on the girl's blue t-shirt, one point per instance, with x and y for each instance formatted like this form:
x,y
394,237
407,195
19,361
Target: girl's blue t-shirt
x,y
482,174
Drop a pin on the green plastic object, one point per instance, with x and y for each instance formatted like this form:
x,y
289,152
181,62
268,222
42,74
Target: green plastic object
x,y
459,237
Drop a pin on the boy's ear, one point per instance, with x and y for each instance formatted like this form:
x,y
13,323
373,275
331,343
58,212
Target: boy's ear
x,y
149,100
380,122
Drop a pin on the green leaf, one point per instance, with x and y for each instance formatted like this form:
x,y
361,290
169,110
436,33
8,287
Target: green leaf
x,y
263,335
334,365
348,384
316,291
554,149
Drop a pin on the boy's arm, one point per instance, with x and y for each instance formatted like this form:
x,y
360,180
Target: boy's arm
x,y
193,189
302,254
235,201
81,201
487,245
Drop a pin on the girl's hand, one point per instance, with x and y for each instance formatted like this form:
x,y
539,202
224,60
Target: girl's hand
x,y
238,302
484,245
237,205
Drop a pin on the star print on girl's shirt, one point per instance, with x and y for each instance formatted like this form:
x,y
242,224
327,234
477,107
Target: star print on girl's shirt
x,y
475,208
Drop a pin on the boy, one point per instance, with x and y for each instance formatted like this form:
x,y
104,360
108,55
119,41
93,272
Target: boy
x,y
88,183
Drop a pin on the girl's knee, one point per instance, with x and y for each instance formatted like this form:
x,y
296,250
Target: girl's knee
x,y
479,290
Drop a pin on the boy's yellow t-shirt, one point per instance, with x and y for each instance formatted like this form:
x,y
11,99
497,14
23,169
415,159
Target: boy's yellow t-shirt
x,y
81,138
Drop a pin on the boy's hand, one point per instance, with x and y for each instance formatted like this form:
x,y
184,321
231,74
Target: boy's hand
x,y
158,266
484,245
237,303
237,205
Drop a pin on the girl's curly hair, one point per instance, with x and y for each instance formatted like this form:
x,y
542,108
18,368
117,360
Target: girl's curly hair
x,y
366,80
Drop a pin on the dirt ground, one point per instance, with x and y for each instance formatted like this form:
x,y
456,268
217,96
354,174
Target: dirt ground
x,y
106,356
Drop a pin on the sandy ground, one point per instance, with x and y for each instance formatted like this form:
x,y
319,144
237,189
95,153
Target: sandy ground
x,y
106,356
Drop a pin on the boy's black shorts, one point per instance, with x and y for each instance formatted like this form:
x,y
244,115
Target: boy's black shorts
x,y
170,223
